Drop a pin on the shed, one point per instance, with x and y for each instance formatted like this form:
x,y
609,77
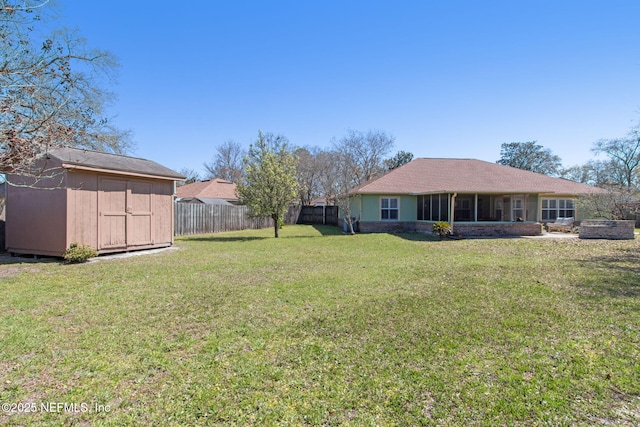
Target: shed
x,y
111,202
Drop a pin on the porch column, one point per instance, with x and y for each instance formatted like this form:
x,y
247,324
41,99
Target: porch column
x,y
452,209
475,210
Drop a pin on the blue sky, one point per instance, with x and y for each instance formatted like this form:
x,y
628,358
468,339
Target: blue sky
x,y
445,78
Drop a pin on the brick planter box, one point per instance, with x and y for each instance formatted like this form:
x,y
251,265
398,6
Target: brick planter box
x,y
607,229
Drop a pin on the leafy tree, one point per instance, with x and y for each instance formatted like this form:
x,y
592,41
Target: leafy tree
x,y
401,158
269,185
50,85
227,163
530,156
624,158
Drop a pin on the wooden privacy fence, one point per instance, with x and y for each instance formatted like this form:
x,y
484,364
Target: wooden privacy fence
x,y
196,218
319,215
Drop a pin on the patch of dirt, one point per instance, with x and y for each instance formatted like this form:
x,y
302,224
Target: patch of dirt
x,y
12,266
14,270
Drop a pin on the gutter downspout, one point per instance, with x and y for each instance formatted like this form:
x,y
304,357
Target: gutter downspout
x,y
452,209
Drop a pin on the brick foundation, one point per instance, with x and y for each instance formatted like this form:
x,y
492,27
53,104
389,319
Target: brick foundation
x,y
473,229
605,229
506,229
388,227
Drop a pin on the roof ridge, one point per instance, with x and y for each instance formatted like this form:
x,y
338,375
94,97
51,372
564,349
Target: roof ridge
x,y
98,152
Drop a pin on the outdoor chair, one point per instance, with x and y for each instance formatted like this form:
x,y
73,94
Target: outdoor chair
x,y
561,224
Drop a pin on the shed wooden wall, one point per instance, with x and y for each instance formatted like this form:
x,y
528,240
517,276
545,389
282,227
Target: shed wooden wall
x,y
36,217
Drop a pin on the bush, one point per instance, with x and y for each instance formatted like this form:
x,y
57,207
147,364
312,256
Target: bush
x,y
442,228
79,253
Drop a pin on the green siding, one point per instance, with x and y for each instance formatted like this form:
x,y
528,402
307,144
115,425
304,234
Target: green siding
x,y
367,207
371,207
408,208
355,208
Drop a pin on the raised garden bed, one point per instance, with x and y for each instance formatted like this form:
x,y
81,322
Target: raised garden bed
x,y
607,229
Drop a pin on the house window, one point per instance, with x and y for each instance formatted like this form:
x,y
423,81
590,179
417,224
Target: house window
x,y
389,208
558,208
566,208
517,206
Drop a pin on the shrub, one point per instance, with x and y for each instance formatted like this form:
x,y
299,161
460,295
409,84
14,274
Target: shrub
x,y
442,228
79,253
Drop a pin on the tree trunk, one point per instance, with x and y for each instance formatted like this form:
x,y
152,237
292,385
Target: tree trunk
x,y
350,223
276,225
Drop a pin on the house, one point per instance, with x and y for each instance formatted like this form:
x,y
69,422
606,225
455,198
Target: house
x,y
478,198
206,191
111,202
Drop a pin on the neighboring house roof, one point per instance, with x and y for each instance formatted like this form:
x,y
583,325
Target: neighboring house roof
x,y
425,176
204,200
320,201
75,158
215,188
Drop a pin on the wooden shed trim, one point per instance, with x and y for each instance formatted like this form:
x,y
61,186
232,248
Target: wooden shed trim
x,y
118,172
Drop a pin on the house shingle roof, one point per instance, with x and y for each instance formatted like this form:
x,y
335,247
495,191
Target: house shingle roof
x,y
215,188
113,162
425,175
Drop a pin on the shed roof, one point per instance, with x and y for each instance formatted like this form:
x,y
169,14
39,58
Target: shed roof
x,y
429,175
215,188
75,158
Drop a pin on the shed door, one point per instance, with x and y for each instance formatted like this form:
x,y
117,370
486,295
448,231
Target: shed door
x,y
112,222
125,213
139,213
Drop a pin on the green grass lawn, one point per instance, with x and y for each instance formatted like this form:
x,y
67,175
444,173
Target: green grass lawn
x,y
317,328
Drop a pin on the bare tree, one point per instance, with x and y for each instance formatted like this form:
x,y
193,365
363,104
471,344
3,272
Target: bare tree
x,y
359,158
364,153
328,163
343,182
624,157
227,163
51,89
309,171
595,172
616,203
191,176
